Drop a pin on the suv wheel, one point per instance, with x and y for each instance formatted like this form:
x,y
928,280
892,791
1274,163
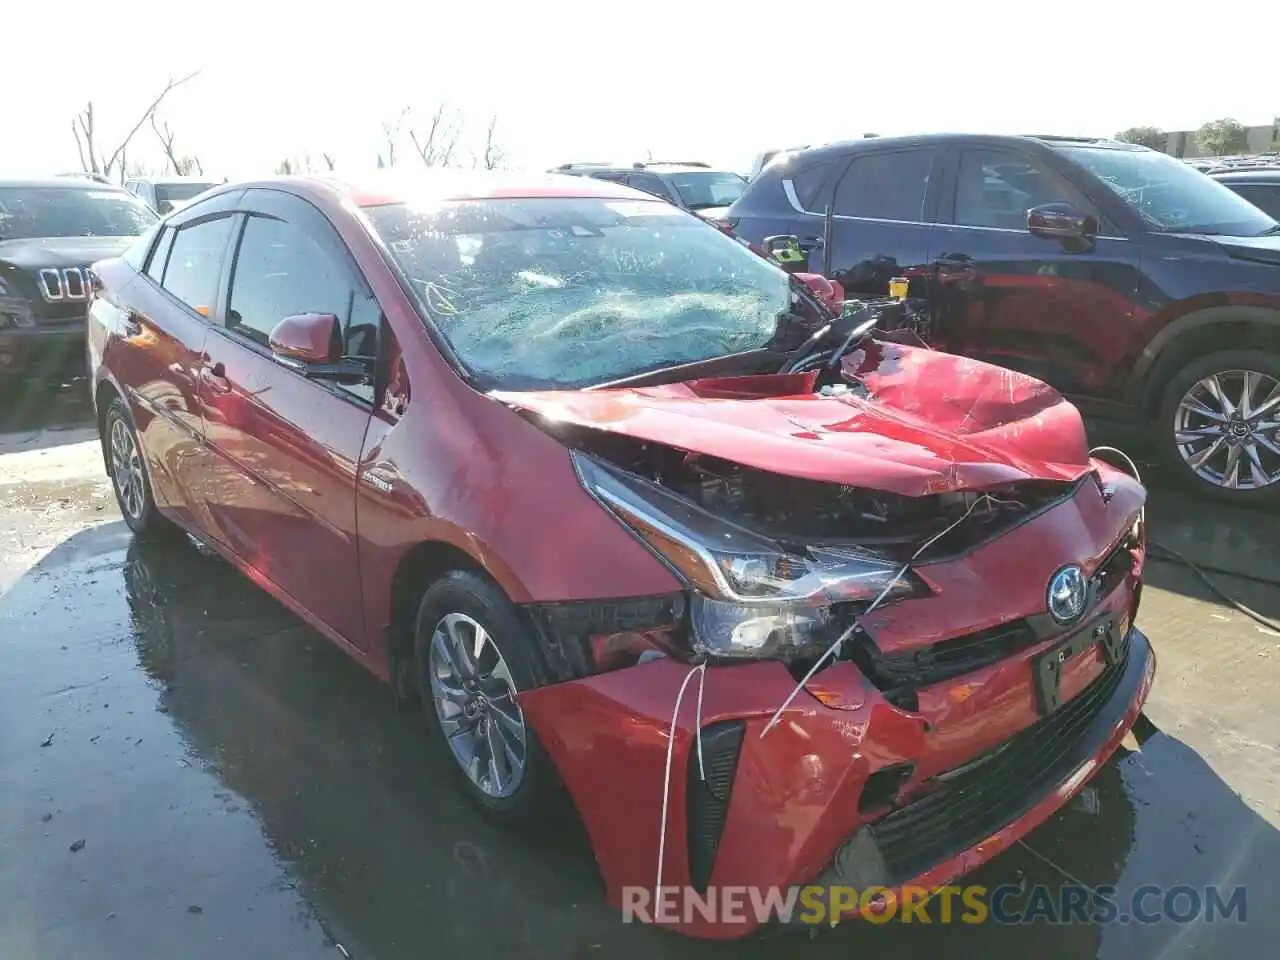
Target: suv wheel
x,y
472,655
1219,424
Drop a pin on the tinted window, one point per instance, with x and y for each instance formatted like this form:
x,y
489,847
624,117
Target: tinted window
x,y
27,212
195,262
886,186
1265,198
160,255
809,182
649,184
699,191
996,188
176,192
281,272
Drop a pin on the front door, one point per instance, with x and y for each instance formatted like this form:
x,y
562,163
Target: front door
x,y
291,445
1050,308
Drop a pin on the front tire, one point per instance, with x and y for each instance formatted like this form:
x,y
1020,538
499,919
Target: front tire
x,y
1219,425
472,654
128,472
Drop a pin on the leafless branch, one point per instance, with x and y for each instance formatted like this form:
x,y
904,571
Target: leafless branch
x,y
494,155
328,160
436,145
151,109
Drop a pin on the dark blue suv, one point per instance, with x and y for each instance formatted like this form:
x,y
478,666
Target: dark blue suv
x,y
1136,285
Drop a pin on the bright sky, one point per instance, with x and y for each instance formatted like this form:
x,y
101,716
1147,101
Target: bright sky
x,y
568,80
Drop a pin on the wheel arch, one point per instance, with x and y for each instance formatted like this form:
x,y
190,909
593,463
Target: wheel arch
x,y
419,567
1205,330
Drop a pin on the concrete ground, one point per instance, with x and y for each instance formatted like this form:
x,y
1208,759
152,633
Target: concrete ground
x,y
187,771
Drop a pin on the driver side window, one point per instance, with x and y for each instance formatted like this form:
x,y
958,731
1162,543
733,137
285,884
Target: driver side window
x,y
281,272
996,188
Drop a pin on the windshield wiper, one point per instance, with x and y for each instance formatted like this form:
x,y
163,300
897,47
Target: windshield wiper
x,y
1271,231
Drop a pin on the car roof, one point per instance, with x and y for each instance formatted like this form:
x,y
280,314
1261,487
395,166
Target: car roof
x,y
387,187
1247,175
62,183
842,147
655,166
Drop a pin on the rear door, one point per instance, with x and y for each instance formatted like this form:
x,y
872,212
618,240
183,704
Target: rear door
x,y
289,445
1042,306
884,205
162,327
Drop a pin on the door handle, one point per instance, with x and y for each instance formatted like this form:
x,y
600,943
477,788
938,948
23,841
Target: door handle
x,y
215,378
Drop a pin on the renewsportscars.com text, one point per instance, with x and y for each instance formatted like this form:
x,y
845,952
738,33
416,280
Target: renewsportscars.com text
x,y
1008,904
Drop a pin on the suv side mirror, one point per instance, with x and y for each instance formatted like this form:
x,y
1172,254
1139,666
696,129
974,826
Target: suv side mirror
x,y
308,342
1061,221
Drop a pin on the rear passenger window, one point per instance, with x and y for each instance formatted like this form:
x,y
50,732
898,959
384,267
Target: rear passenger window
x,y
160,255
809,182
886,186
195,263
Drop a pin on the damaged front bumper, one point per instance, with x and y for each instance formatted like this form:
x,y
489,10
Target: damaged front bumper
x,y
852,794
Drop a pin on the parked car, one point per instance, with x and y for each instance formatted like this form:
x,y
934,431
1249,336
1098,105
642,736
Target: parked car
x,y
1144,290
530,449
165,194
50,232
692,185
1260,186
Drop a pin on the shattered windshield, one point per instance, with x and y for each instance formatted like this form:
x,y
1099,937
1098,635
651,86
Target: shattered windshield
x,y
1172,196
568,292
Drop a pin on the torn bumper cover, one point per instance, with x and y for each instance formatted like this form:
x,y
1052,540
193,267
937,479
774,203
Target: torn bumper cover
x,y
978,718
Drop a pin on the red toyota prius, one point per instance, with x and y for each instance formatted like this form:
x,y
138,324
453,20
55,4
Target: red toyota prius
x,y
774,597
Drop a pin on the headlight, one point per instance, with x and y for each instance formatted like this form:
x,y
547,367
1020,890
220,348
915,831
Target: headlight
x,y
753,596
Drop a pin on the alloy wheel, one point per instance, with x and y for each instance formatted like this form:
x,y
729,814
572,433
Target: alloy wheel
x,y
1227,429
126,469
474,697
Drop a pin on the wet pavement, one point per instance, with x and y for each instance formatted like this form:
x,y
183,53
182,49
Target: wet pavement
x,y
186,770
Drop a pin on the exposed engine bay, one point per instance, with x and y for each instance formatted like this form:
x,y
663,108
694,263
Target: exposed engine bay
x,y
799,511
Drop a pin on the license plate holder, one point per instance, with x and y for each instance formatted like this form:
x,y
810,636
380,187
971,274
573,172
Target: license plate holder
x,y
1047,668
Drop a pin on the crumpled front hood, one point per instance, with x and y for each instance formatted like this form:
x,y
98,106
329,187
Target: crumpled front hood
x,y
928,423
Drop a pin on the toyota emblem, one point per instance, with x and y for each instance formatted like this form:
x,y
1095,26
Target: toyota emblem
x,y
1067,595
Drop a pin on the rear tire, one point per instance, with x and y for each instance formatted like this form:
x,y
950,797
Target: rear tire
x,y
127,468
1218,426
472,653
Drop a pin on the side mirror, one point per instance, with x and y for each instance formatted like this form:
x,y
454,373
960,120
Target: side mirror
x,y
829,292
1061,221
308,343
307,337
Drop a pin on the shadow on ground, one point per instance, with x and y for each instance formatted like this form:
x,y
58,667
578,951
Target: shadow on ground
x,y
245,790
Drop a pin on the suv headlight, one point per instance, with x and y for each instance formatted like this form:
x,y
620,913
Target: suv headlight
x,y
752,596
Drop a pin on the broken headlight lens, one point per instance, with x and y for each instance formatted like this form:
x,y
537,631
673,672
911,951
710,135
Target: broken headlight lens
x,y
755,596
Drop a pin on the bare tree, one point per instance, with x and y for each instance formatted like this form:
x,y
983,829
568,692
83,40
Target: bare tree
x,y
96,159
494,155
329,162
391,131
182,164
436,143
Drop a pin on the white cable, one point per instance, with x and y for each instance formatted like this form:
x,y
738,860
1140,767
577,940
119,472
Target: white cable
x,y
1133,467
701,671
830,651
